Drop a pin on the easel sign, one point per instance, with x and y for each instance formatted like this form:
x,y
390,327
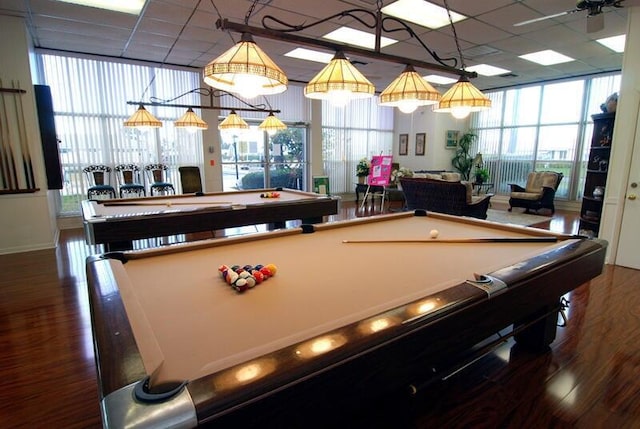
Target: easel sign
x,y
380,171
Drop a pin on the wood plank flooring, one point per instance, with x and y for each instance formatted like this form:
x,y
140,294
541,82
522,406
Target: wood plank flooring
x,y
589,379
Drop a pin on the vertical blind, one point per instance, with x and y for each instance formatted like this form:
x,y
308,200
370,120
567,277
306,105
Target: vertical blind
x,y
541,127
89,101
361,130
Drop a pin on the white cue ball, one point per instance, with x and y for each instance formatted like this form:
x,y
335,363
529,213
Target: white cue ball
x,y
434,233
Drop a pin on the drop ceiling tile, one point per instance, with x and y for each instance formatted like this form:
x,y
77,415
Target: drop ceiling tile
x,y
57,25
167,12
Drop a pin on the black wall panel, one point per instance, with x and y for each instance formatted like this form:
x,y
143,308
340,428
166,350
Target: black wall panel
x,y
44,104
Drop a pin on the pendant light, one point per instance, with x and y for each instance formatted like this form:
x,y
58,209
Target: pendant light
x,y
339,82
191,122
246,70
409,91
142,120
462,99
272,124
233,122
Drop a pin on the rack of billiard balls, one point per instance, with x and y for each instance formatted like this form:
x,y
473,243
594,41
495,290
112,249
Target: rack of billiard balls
x,y
246,277
270,195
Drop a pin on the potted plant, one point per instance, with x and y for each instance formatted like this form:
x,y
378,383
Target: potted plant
x,y
463,161
482,174
362,169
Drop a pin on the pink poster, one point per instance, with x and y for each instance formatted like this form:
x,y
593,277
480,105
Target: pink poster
x,y
380,171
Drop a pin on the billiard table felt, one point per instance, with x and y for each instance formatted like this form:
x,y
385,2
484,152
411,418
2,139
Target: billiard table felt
x,y
189,323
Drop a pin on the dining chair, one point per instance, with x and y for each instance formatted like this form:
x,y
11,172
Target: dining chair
x,y
129,180
156,176
99,179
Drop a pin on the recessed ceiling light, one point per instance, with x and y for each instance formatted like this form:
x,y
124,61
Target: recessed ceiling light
x,y
357,38
547,57
441,80
422,13
310,55
487,70
615,43
126,6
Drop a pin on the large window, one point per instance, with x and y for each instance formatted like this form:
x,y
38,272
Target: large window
x,y
89,101
253,159
541,127
361,130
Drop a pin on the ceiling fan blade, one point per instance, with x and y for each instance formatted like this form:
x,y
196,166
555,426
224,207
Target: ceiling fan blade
x,y
595,23
543,18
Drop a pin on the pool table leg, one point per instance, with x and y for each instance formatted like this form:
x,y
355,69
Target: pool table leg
x,y
538,330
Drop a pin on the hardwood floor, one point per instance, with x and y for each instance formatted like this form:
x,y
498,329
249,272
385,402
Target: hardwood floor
x,y
589,379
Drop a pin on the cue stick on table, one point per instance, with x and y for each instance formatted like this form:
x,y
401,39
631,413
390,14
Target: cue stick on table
x,y
166,203
545,239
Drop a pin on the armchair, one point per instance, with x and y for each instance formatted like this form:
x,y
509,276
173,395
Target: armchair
x,y
539,192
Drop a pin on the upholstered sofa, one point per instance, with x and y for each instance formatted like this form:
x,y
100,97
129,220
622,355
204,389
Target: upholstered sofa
x,y
538,193
444,196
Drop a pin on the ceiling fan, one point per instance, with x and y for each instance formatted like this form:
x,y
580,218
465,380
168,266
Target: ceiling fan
x,y
594,8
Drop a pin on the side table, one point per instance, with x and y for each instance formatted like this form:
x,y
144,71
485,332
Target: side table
x,y
482,188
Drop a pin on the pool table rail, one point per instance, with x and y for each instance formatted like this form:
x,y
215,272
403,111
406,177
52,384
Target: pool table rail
x,y
393,348
145,222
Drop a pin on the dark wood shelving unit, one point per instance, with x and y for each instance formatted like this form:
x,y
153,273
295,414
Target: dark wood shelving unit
x,y
596,175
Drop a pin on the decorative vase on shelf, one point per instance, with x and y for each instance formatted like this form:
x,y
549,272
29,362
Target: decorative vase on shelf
x,y
361,179
598,192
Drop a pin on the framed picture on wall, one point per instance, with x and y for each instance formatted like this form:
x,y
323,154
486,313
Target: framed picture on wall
x,y
451,141
420,143
403,148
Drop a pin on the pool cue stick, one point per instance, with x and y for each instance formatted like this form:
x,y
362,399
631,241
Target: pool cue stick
x,y
545,239
6,174
159,203
11,163
24,141
3,158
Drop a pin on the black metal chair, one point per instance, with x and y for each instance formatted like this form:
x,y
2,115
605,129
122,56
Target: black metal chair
x,y
156,175
190,180
129,180
539,192
99,179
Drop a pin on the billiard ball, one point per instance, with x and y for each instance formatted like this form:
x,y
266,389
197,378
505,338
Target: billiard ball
x,y
434,233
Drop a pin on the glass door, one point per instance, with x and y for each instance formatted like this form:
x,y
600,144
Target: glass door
x,y
252,159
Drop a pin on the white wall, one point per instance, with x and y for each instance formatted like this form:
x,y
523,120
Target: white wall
x,y
27,220
435,126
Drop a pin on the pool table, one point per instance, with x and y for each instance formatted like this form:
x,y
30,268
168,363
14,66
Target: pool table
x,y
339,321
117,222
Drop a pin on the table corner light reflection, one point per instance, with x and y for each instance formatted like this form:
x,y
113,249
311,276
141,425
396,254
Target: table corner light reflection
x,y
320,345
245,373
